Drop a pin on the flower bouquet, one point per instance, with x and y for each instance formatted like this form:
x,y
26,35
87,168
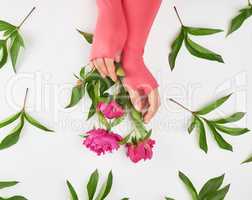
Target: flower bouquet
x,y
111,105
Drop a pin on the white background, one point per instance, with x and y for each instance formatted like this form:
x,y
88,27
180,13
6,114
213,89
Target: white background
x,y
54,51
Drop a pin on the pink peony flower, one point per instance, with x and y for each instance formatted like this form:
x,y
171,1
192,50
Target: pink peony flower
x,y
102,141
142,150
111,110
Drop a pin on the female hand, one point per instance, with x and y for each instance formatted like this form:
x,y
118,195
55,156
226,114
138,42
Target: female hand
x,y
148,104
106,67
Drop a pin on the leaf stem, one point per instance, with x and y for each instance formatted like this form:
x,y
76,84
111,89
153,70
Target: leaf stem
x,y
25,99
179,104
27,16
180,20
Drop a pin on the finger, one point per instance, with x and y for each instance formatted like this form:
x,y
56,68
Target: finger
x,y
154,102
102,66
91,65
118,58
136,99
98,67
111,68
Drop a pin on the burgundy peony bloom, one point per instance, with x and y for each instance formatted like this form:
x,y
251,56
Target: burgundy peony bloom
x,y
111,110
101,141
140,151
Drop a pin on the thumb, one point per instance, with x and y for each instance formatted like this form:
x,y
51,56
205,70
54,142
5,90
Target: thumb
x,y
136,99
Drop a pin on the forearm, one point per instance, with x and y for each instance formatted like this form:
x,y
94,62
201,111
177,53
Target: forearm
x,y
140,17
110,33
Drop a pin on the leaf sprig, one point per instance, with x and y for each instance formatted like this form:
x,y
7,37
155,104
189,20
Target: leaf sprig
x,y
216,126
7,184
194,48
211,189
238,20
13,137
12,41
92,187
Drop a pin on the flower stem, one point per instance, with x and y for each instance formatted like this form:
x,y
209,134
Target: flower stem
x,y
27,16
25,99
180,20
249,3
179,104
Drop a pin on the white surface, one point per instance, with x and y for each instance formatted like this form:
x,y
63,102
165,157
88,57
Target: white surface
x,y
54,51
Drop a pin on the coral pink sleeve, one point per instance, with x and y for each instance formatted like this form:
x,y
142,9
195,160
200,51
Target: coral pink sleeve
x,y
140,15
110,32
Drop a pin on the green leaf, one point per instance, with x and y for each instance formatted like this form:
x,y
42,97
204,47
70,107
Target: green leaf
x,y
148,135
9,120
105,83
90,91
189,186
3,53
6,26
35,123
220,194
248,160
202,31
117,121
77,94
82,72
103,120
202,135
15,49
92,111
5,184
176,46
16,198
9,32
88,36
106,187
138,122
167,198
237,21
212,106
92,184
219,139
125,140
233,118
232,131
192,125
211,186
201,52
125,199
13,137
72,191
97,91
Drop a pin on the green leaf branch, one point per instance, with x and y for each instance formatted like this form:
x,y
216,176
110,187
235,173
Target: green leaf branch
x,y
8,184
13,137
215,126
212,189
92,187
239,20
12,41
193,48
